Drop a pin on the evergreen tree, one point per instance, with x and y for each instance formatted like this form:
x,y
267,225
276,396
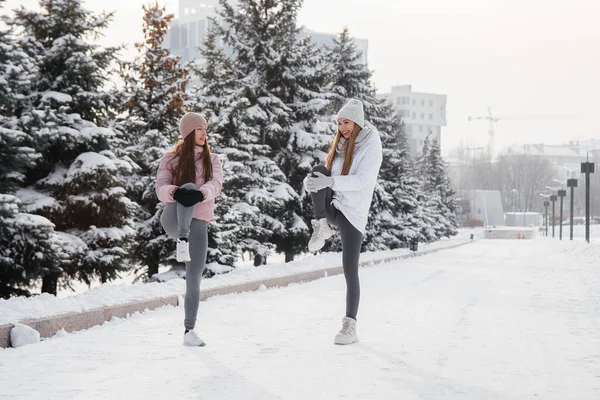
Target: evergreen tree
x,y
219,97
280,78
432,222
155,82
75,183
155,96
440,194
403,218
30,249
97,208
422,159
351,78
68,63
17,74
304,142
394,210
152,247
16,155
244,212
14,276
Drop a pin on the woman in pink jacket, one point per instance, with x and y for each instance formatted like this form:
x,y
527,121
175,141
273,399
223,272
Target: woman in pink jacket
x,y
189,179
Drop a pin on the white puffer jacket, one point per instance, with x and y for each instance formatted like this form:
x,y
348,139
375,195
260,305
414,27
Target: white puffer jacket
x,y
353,193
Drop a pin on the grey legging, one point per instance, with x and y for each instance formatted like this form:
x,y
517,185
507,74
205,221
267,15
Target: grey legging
x,y
179,222
351,242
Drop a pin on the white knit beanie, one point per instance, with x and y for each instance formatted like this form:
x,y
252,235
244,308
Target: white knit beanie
x,y
353,111
189,122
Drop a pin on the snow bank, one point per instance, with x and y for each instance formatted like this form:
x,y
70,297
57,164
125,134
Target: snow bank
x,y
21,335
44,305
579,249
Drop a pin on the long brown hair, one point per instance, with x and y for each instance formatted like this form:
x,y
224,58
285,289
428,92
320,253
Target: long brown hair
x,y
349,150
185,150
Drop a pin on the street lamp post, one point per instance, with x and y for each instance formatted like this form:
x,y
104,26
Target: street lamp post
x,y
572,183
561,193
553,200
587,168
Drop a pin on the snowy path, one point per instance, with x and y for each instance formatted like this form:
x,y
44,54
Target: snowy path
x,y
492,320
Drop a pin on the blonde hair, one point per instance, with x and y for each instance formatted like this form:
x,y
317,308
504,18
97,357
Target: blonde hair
x,y
348,150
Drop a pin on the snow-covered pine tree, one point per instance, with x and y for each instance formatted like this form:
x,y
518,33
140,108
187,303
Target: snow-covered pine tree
x,y
17,74
30,249
440,194
98,211
155,95
245,211
219,98
281,79
403,217
421,162
154,80
352,79
151,247
309,135
72,184
16,155
431,217
15,277
60,32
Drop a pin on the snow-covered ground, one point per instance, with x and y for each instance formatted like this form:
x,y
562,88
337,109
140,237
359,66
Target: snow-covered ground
x,y
16,309
493,320
131,277
578,231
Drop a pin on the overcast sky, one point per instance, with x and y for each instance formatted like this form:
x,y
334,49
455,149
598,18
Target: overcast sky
x,y
521,57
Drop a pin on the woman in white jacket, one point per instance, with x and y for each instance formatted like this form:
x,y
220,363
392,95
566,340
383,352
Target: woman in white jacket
x,y
342,191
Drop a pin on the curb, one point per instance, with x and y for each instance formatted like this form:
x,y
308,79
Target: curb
x,y
5,335
76,321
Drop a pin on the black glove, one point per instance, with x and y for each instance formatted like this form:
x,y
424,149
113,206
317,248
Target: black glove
x,y
188,197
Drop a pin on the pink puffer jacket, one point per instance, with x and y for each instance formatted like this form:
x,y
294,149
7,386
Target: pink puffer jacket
x,y
211,189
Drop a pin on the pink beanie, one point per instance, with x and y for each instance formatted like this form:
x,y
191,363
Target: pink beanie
x,y
189,122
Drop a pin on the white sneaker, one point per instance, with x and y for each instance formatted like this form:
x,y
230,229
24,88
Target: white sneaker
x,y
192,339
348,333
321,232
183,251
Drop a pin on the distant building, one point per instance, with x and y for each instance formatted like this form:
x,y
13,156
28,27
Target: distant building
x,y
422,113
530,219
187,33
480,208
326,40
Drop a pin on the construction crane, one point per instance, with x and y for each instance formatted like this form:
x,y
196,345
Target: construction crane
x,y
494,119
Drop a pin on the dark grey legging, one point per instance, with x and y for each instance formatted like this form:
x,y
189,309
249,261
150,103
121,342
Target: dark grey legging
x,y
179,222
351,242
